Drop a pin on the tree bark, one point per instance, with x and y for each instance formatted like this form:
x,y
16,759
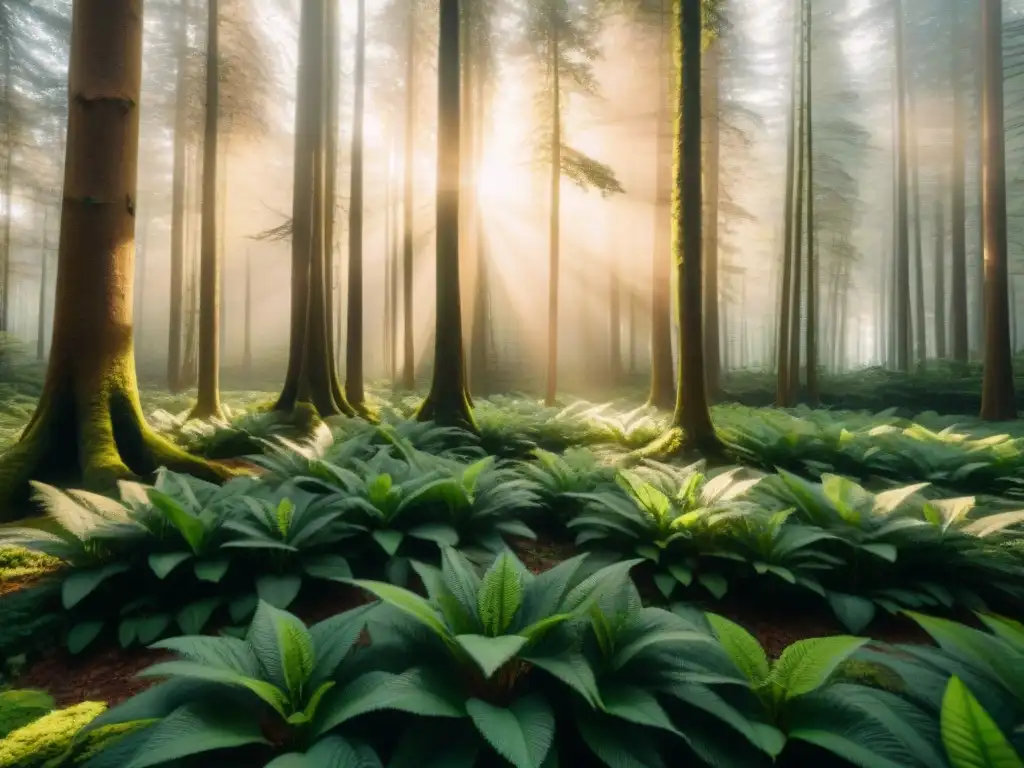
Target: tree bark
x,y
479,358
712,340
812,257
998,402
5,281
940,274
141,262
920,328
784,374
44,279
662,392
554,215
408,211
354,386
177,279
902,307
447,403
798,226
208,401
692,414
958,220
88,429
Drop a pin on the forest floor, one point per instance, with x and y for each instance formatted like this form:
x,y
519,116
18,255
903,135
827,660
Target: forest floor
x,y
955,454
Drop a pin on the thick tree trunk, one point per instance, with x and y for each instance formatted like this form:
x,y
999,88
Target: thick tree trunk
x,y
177,282
997,395
940,274
448,401
554,215
408,212
88,428
958,220
354,386
208,400
310,375
784,374
692,414
662,393
712,341
141,262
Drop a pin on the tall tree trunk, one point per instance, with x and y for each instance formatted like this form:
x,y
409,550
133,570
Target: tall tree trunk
x,y
940,272
332,243
479,358
712,343
141,262
310,375
354,388
798,227
408,211
44,279
177,278
998,401
247,318
920,328
614,318
783,386
902,223
5,280
88,428
208,400
692,414
554,215
958,219
662,393
448,402
812,257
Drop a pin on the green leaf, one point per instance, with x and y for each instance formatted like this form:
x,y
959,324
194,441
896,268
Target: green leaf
x,y
191,670
971,737
714,583
82,634
406,601
666,584
278,590
283,646
490,653
127,631
189,526
682,574
742,648
472,473
645,495
500,596
389,540
849,750
78,585
439,533
855,613
522,733
194,616
151,627
327,566
807,664
212,570
242,607
886,552
194,729
162,563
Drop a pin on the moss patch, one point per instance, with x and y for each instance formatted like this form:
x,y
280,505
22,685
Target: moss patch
x,y
44,741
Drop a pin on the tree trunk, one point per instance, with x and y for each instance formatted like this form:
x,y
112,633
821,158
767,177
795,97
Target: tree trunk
x,y
44,279
354,387
940,274
662,393
141,262
208,400
408,212
614,318
447,403
5,280
177,282
783,386
902,224
812,257
88,429
479,358
712,342
920,329
997,396
692,414
554,215
958,220
310,376
798,228
247,319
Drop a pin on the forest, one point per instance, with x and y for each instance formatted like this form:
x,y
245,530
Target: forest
x,y
531,383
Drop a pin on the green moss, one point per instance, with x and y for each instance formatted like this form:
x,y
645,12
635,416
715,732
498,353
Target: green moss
x,y
18,563
870,674
48,738
20,707
96,741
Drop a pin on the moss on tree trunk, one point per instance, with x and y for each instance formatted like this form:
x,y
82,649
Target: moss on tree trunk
x,y
88,428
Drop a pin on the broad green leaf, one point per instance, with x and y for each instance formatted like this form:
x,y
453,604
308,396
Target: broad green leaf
x,y
327,566
714,583
151,627
188,525
194,616
848,750
439,533
500,595
196,729
971,737
187,669
646,495
666,584
491,653
80,584
389,540
807,664
82,634
212,570
522,733
278,590
406,601
682,574
742,648
162,563
854,612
